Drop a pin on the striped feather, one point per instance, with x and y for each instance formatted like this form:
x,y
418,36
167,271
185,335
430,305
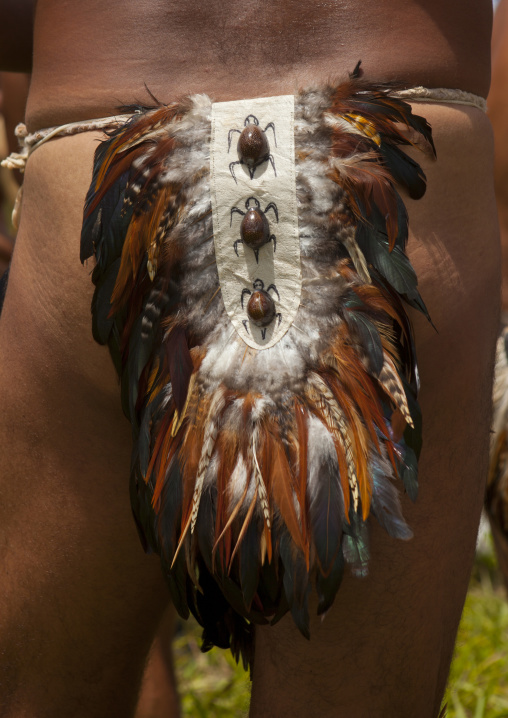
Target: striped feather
x,y
208,445
390,381
337,425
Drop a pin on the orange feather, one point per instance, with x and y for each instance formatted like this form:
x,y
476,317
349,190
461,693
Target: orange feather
x,y
282,490
134,131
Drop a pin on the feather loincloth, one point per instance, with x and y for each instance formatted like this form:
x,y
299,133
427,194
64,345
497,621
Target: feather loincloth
x,y
254,470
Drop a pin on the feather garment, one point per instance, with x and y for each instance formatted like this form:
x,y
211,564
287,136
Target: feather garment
x,y
497,485
254,471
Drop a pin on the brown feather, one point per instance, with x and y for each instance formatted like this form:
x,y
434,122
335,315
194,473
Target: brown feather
x,y
188,456
244,528
227,451
303,438
282,489
118,166
161,434
265,460
134,132
359,445
234,513
371,183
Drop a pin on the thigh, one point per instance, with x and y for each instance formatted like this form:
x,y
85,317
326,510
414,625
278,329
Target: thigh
x,y
79,600
385,646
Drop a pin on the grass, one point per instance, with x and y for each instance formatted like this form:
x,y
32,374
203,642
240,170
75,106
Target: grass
x,y
478,683
212,685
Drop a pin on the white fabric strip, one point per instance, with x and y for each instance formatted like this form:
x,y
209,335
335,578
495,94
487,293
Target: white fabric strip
x,y
273,183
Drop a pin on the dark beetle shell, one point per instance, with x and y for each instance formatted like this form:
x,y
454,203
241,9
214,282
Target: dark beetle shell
x,y
261,308
254,229
253,145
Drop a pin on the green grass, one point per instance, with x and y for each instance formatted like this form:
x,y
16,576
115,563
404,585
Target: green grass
x,y
212,685
478,683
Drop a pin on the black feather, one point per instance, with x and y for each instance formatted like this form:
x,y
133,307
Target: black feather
x,y
170,512
140,495
296,583
394,266
144,439
102,321
180,365
409,472
205,526
270,591
355,544
371,104
250,562
369,338
404,170
326,511
385,505
177,579
328,584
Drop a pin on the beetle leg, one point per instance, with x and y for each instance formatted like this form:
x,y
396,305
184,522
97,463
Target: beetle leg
x,y
256,254
246,325
254,199
252,170
229,137
279,317
272,127
255,120
244,292
235,246
235,209
273,206
273,239
231,165
272,286
270,159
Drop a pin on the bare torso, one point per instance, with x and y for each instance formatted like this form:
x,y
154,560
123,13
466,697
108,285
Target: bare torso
x,y
91,56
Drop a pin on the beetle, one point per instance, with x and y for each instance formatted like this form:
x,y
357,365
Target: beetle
x,y
253,147
254,228
260,307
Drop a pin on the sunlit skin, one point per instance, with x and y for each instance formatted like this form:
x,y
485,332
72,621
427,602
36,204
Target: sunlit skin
x,y
79,601
498,113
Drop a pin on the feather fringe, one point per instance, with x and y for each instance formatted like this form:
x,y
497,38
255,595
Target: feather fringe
x,y
254,473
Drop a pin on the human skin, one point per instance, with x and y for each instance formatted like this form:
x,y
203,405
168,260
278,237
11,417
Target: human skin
x,y
230,49
498,113
80,603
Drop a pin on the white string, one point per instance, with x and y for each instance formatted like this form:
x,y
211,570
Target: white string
x,y
29,142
